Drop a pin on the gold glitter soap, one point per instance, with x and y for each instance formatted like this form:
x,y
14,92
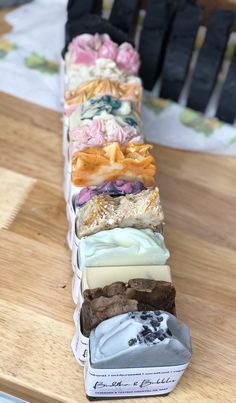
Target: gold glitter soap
x,y
104,212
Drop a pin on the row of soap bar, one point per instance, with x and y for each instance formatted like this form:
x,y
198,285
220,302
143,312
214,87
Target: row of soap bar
x,y
122,285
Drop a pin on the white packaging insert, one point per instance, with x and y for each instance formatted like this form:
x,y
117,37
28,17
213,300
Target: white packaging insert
x,y
76,288
67,184
70,212
131,382
80,345
75,245
65,134
76,316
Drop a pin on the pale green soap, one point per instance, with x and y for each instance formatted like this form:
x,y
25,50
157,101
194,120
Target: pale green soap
x,y
123,247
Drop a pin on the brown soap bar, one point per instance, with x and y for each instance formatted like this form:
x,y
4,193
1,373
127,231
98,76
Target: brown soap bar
x,y
117,298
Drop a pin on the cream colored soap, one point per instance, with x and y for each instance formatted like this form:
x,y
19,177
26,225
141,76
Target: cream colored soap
x,y
93,277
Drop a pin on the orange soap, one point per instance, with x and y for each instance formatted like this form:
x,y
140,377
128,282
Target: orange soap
x,y
95,165
125,91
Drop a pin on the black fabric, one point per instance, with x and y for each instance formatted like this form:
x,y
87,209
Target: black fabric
x,y
227,103
124,15
77,8
153,39
179,50
92,24
210,59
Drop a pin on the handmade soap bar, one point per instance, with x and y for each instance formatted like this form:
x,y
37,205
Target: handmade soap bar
x,y
179,50
153,38
129,90
226,110
102,68
114,189
105,107
101,131
138,295
140,339
93,277
87,49
131,161
102,212
210,59
123,246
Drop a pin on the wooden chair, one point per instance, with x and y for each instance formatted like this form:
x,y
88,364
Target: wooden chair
x,y
166,44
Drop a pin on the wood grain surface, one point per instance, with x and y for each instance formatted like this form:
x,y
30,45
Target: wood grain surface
x,y
199,198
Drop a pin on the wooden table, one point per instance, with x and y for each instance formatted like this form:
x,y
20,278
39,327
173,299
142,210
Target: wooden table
x,y
199,198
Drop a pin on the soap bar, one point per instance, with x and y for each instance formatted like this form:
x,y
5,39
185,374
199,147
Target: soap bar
x,y
226,110
129,90
114,189
210,59
112,300
103,212
103,53
93,277
123,246
95,165
124,15
77,74
105,107
101,131
140,339
92,24
153,39
179,50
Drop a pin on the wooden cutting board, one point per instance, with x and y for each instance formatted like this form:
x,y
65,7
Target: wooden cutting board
x,y
199,198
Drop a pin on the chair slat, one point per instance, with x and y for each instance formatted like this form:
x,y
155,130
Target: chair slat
x,y
210,59
153,39
179,50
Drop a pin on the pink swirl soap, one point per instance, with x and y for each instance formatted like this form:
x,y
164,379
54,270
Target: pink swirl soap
x,y
101,131
86,48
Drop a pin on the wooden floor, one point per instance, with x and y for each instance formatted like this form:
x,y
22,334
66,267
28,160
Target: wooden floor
x,y
199,198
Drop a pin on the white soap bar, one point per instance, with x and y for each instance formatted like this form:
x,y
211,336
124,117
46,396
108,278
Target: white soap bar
x,y
93,277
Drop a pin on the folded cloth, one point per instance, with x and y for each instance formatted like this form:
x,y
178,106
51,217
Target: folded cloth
x,y
113,161
104,212
87,48
114,189
105,107
129,90
117,298
101,131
